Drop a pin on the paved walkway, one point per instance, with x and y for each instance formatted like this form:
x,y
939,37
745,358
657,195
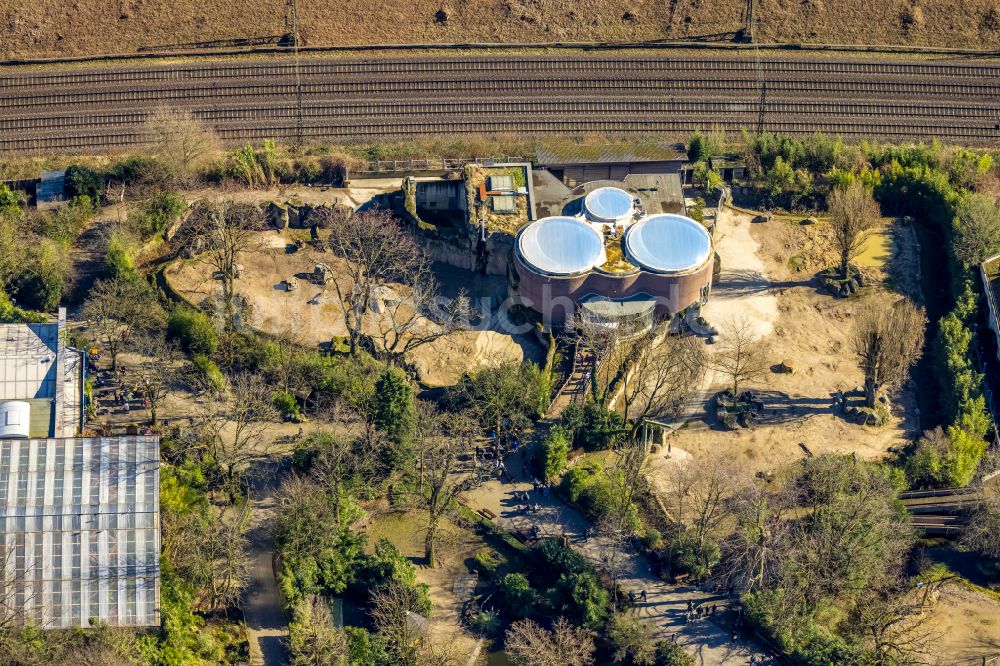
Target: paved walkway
x,y
665,608
267,626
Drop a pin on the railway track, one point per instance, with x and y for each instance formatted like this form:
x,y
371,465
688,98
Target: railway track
x,y
362,109
349,100
626,66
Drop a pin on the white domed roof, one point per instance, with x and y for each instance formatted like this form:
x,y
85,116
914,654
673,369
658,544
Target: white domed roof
x,y
561,246
667,243
609,204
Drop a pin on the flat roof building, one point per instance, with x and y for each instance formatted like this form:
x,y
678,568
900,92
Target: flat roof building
x,y
80,531
37,368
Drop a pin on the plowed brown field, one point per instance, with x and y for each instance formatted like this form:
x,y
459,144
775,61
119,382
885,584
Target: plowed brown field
x,y
58,27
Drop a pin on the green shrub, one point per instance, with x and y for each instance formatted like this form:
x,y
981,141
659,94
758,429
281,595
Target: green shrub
x,y
394,410
367,649
11,314
157,214
594,427
517,594
83,181
193,330
699,148
582,598
487,562
690,556
486,622
652,540
209,371
286,404
672,654
555,452
590,487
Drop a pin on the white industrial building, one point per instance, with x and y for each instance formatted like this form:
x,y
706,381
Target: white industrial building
x,y
41,381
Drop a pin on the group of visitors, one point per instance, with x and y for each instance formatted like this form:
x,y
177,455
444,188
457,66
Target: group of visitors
x,y
698,611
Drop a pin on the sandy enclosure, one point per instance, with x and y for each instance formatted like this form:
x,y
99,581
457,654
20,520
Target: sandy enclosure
x,y
313,315
795,321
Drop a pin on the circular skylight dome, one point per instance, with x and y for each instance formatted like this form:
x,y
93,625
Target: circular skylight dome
x,y
609,204
561,246
667,243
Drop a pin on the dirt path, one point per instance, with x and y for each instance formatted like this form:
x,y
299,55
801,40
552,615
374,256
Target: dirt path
x,y
267,626
86,256
665,608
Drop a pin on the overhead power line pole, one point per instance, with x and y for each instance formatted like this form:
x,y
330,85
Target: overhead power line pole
x,y
293,24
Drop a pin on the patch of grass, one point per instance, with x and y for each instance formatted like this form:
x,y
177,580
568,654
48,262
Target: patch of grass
x,y
941,571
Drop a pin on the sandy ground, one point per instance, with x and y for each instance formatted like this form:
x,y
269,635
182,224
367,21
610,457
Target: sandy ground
x,y
52,27
965,625
359,193
313,315
797,322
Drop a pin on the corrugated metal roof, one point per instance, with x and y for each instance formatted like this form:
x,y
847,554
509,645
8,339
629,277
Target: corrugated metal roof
x,y
51,189
28,357
608,154
27,360
80,517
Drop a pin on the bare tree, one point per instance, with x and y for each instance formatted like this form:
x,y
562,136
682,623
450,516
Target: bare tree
x,y
396,612
444,443
338,460
853,215
607,352
529,644
232,424
754,549
887,341
155,372
662,370
220,233
893,623
118,310
313,640
741,358
626,479
982,533
699,496
227,552
421,317
378,252
180,140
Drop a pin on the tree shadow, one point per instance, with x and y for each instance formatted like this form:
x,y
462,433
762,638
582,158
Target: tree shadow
x,y
777,408
748,282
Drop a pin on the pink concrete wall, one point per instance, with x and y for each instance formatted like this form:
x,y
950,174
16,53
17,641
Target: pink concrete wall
x,y
555,297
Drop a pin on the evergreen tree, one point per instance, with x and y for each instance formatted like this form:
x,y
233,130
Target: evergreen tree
x,y
394,412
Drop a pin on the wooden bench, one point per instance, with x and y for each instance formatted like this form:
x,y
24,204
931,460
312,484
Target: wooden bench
x,y
524,536
486,513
